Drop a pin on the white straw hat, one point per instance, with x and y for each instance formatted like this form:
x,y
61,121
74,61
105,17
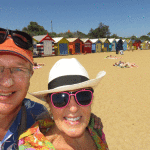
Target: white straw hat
x,y
68,74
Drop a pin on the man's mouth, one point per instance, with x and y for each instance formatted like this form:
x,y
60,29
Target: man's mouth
x,y
6,94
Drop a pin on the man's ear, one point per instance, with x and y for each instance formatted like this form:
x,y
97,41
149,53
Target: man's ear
x,y
31,74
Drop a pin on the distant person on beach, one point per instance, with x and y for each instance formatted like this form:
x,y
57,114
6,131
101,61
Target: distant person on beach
x,y
37,65
125,64
17,113
119,46
112,57
69,96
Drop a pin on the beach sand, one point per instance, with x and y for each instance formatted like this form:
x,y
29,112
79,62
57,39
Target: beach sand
x,y
121,100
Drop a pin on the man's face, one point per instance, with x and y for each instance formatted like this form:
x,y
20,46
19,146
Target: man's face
x,y
13,87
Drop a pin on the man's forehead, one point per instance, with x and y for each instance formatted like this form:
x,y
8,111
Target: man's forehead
x,y
13,58
11,54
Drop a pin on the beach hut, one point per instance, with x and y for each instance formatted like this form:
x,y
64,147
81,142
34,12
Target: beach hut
x,y
137,44
44,45
35,52
112,44
148,45
105,44
61,46
75,45
124,44
144,45
129,44
96,45
133,45
87,45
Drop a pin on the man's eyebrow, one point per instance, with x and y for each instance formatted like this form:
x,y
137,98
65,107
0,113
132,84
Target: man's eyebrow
x,y
21,64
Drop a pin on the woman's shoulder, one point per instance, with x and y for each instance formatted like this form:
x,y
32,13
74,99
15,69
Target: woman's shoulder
x,y
34,136
97,135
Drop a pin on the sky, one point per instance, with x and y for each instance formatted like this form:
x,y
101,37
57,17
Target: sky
x,y
124,17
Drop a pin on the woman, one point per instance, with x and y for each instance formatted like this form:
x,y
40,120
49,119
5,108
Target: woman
x,y
69,95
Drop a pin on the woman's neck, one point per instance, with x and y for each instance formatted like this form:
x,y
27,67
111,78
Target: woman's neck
x,y
61,140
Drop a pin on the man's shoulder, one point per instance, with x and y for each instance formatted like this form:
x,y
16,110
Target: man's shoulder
x,y
29,104
34,108
35,111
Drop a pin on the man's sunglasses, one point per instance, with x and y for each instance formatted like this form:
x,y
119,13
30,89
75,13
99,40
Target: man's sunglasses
x,y
83,98
20,38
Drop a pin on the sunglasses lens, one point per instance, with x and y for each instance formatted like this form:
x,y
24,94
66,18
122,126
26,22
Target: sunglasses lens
x,y
60,99
2,35
22,39
84,97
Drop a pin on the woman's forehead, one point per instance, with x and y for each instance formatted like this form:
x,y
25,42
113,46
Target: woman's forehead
x,y
87,88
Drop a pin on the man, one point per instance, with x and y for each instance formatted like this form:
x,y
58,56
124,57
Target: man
x,y
16,68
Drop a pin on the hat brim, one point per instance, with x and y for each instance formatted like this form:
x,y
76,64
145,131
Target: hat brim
x,y
89,83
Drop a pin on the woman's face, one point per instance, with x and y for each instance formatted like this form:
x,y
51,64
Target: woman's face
x,y
72,119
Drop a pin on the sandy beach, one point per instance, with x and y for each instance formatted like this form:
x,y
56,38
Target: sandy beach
x,y
121,100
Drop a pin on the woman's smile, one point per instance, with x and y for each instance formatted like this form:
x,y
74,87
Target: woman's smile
x,y
73,120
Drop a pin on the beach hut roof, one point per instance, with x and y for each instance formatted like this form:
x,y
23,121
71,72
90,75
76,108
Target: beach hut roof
x,y
57,39
111,40
103,39
39,37
124,40
84,39
128,40
133,41
94,40
71,39
138,41
117,40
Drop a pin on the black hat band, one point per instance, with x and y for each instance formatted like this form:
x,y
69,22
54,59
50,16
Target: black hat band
x,y
66,80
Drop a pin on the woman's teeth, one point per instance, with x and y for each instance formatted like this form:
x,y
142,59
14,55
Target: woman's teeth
x,y
72,119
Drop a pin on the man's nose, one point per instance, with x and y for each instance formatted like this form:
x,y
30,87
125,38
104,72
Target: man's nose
x,y
6,79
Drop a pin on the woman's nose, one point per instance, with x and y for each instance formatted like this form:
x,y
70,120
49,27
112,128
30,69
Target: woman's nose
x,y
73,106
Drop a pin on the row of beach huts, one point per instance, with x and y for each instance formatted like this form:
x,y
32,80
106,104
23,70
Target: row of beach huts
x,y
44,45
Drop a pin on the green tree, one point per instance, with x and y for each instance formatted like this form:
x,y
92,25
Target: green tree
x,y
52,34
34,29
79,34
148,34
145,38
68,35
101,32
115,36
133,37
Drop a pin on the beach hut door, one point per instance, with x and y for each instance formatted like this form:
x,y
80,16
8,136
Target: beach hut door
x,y
77,47
47,47
106,46
113,47
63,48
98,47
